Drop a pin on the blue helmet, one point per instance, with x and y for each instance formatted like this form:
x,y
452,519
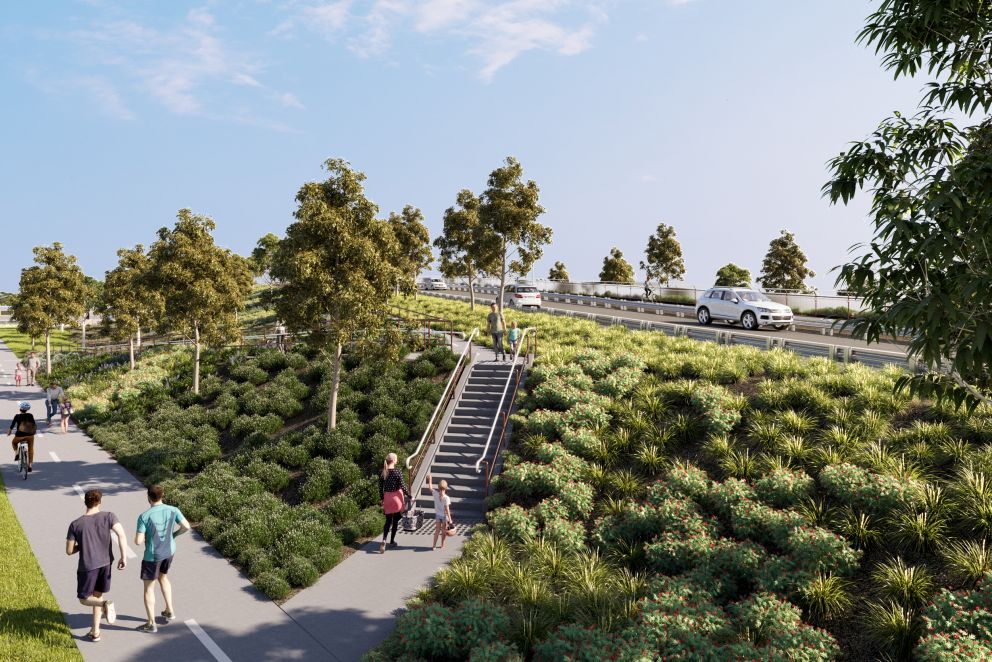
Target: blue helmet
x,y
24,406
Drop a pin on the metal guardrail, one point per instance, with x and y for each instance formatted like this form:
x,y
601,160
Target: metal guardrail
x,y
429,436
529,336
842,353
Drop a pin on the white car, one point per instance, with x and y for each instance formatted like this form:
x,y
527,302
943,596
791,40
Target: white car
x,y
435,284
522,295
741,304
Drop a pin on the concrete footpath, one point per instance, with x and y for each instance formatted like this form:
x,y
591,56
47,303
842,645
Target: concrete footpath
x,y
220,615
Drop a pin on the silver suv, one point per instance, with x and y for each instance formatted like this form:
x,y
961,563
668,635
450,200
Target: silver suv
x,y
741,304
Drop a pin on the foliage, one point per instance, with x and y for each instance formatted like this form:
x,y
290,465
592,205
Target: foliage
x,y
263,255
459,245
558,272
129,301
784,266
663,256
958,625
413,246
730,275
616,269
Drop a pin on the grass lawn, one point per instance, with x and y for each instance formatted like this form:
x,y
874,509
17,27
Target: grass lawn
x,y
31,623
20,343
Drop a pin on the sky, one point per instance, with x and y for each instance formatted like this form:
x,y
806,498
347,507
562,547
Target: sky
x,y
714,116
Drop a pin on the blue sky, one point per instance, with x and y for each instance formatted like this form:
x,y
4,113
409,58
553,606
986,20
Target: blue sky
x,y
715,116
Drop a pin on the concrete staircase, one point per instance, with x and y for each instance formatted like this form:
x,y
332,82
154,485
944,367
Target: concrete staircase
x,y
462,444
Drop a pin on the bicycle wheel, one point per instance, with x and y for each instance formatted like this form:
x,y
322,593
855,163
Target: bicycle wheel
x,y
23,468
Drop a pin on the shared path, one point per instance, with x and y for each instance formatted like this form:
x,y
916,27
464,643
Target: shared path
x,y
221,617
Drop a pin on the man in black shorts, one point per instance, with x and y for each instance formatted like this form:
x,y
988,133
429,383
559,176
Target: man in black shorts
x,y
156,532
89,536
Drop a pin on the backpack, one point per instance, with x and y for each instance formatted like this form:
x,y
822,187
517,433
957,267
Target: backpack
x,y
27,426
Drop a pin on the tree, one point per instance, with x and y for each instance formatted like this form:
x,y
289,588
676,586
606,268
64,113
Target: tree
x,y
336,266
664,256
511,238
91,301
52,292
458,244
202,286
616,269
413,245
730,275
784,267
128,300
558,272
261,256
926,273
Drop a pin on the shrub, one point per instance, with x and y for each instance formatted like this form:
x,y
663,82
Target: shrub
x,y
422,368
249,372
365,492
858,488
340,509
495,651
513,523
784,487
270,474
336,444
273,584
300,572
245,425
568,536
366,524
437,632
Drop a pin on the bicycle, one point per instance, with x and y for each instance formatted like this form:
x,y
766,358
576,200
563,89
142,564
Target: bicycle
x,y
22,459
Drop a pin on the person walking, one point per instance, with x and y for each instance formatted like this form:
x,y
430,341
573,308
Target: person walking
x,y
394,496
33,365
18,373
513,336
53,395
65,410
156,531
89,536
24,428
496,327
442,510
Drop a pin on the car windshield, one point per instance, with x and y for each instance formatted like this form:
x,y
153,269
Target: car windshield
x,y
751,295
526,289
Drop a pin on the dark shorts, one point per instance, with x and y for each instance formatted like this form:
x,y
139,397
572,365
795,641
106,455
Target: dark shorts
x,y
93,581
152,569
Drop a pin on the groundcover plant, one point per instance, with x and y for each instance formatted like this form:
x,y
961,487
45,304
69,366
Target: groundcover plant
x,y
248,460
669,499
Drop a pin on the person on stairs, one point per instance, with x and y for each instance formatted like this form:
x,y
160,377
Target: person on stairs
x,y
394,496
496,327
442,510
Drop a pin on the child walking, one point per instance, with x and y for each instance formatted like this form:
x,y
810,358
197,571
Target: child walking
x,y
65,408
18,373
442,510
513,335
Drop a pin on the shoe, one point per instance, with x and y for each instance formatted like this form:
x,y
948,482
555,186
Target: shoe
x,y
109,612
30,469
382,547
15,457
168,615
148,627
93,636
393,543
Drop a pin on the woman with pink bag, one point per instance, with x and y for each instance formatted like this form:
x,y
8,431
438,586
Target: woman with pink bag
x,y
394,496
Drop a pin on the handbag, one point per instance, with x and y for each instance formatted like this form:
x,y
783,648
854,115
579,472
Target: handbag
x,y
451,528
413,520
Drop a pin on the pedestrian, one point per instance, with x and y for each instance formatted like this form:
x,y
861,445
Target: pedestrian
x,y
65,411
33,365
394,496
647,290
89,536
18,373
24,427
156,531
495,327
513,336
53,395
280,335
442,510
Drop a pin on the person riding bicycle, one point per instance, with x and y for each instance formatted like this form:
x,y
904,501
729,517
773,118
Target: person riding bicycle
x,y
25,427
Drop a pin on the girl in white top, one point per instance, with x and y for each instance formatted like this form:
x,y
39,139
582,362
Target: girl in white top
x,y
442,509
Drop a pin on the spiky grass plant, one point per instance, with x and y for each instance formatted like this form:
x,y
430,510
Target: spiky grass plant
x,y
652,406
953,451
766,434
740,464
651,459
817,511
683,428
840,437
921,452
872,424
797,449
826,596
625,484
967,561
532,443
717,447
877,456
775,462
860,528
893,627
972,494
920,530
909,585
462,579
794,422
829,455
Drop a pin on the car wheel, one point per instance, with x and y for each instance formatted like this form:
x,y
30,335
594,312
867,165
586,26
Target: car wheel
x,y
749,320
781,327
703,315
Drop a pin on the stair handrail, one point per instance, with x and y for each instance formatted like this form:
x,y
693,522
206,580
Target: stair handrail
x,y
501,412
442,404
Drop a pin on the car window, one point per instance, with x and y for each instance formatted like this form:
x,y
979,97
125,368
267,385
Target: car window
x,y
526,289
707,294
729,295
716,294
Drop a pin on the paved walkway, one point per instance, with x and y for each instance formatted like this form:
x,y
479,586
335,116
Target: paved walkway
x,y
221,616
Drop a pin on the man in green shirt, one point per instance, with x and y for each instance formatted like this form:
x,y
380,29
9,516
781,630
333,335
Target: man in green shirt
x,y
496,327
156,532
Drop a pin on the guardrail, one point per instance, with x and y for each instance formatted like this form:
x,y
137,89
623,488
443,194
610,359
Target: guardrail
x,y
841,353
529,336
430,434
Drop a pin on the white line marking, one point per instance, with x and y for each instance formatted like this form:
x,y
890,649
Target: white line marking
x,y
207,642
55,458
127,550
79,490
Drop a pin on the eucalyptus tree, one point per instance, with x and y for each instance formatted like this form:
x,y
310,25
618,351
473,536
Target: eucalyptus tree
x,y
458,244
52,292
663,256
413,246
784,266
129,300
202,286
927,273
262,255
558,272
731,275
336,267
616,269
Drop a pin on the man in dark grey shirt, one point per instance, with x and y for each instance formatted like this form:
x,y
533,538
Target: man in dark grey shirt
x,y
496,327
89,536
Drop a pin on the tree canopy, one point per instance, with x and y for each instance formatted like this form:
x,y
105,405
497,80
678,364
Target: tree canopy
x,y
262,255
558,272
202,286
336,266
730,275
927,271
128,299
663,255
459,243
413,245
616,269
784,266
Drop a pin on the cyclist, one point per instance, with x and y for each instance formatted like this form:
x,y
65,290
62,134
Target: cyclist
x,y
25,427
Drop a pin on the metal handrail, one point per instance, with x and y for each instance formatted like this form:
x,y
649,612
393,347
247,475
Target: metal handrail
x,y
499,408
442,403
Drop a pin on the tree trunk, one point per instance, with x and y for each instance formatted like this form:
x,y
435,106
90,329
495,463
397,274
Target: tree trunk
x,y
139,335
130,342
32,343
196,359
48,352
332,403
471,292
502,280
84,334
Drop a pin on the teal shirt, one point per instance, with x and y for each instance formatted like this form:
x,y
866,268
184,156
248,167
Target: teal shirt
x,y
157,523
514,333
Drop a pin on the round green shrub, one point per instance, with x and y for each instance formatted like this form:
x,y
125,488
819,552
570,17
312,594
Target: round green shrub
x,y
336,444
340,509
300,572
271,475
249,372
513,523
273,584
375,449
255,560
495,651
326,558
244,425
437,632
422,368
365,492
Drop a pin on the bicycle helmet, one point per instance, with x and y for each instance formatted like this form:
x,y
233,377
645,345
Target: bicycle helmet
x,y
24,406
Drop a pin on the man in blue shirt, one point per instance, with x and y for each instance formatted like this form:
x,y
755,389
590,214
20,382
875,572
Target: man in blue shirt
x,y
156,532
